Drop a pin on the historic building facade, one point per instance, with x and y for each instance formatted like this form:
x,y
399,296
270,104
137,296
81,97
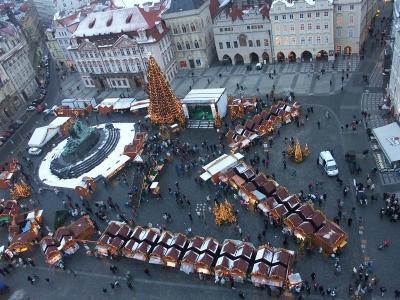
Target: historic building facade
x,y
302,30
110,49
190,23
17,76
394,83
243,35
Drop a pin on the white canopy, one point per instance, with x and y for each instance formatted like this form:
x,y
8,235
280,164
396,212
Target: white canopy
x,y
42,135
220,164
123,103
196,96
388,137
108,102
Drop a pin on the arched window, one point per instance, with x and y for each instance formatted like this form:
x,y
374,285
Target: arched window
x,y
196,44
175,29
192,27
187,45
178,46
183,28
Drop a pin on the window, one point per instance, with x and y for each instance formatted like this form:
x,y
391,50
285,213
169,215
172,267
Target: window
x,y
309,15
175,30
248,27
266,42
338,32
301,26
327,40
221,29
318,27
302,40
291,16
293,40
250,43
301,16
339,7
258,43
192,27
309,26
351,20
284,17
351,7
242,40
235,44
310,40
124,82
196,44
183,28
276,19
318,39
198,62
325,13
326,26
339,20
228,45
351,33
128,52
187,45
122,52
278,41
317,14
221,46
178,46
291,27
119,82
286,41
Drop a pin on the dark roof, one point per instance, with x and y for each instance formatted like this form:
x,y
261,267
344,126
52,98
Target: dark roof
x,y
179,5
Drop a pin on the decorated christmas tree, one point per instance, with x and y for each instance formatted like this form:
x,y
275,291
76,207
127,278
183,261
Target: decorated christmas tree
x,y
218,121
164,106
298,155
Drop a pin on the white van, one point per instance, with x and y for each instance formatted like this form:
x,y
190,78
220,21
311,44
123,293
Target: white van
x,y
328,163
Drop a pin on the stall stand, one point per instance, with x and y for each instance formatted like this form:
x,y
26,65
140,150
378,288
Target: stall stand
x,y
103,245
239,270
188,262
8,210
86,188
195,243
294,280
260,274
24,242
125,232
137,233
166,238
49,248
172,256
129,249
82,229
113,228
222,267
210,246
142,251
204,263
157,255
179,241
330,237
6,179
150,235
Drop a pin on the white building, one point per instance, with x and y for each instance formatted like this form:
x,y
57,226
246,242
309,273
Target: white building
x,y
394,83
243,36
47,8
17,76
302,30
110,48
190,23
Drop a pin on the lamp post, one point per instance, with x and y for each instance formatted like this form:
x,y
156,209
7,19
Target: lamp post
x,y
272,49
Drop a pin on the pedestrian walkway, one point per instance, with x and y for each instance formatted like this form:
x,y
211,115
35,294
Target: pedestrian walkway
x,y
376,77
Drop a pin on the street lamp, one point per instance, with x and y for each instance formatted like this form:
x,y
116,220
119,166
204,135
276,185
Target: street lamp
x,y
272,49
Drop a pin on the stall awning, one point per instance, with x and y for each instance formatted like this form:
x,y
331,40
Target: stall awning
x,y
388,137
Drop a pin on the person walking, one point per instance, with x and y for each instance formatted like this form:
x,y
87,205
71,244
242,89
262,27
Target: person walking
x,y
190,216
319,124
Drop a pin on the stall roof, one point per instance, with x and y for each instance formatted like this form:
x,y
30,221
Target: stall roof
x,y
222,163
123,103
388,137
139,106
203,96
42,135
108,102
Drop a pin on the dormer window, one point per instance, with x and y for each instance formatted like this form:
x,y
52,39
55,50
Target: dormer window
x,y
91,24
109,21
159,27
142,34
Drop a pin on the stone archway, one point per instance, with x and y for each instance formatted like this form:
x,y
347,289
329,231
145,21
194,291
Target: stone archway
x,y
306,56
322,55
292,57
238,59
226,59
280,57
347,50
265,57
254,59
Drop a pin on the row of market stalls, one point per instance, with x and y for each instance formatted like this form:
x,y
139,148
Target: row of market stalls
x,y
261,191
110,105
261,124
66,239
232,260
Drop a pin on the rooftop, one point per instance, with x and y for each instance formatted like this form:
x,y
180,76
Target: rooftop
x,y
179,5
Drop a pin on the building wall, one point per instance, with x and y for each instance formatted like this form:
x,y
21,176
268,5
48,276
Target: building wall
x,y
54,48
192,36
242,40
394,83
301,28
123,64
69,5
46,10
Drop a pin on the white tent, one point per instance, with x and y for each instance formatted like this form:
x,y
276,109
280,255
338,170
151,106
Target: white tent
x,y
388,137
123,103
42,135
220,164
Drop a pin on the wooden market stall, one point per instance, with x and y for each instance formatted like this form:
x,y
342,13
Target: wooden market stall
x,y
204,263
157,255
52,254
86,187
330,237
172,257
188,261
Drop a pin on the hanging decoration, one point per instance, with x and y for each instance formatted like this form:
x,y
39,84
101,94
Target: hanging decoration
x,y
224,213
20,191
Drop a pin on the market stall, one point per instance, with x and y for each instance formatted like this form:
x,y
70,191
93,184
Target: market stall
x,y
172,257
204,264
52,255
86,188
157,255
188,261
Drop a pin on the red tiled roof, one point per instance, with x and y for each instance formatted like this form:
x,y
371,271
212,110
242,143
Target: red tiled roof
x,y
235,13
214,7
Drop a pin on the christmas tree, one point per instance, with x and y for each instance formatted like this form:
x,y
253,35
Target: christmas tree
x,y
164,106
298,156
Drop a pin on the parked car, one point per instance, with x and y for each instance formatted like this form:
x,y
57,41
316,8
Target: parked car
x,y
328,163
34,151
31,108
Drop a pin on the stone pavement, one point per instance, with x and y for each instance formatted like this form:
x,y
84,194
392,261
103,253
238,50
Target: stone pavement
x,y
303,78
